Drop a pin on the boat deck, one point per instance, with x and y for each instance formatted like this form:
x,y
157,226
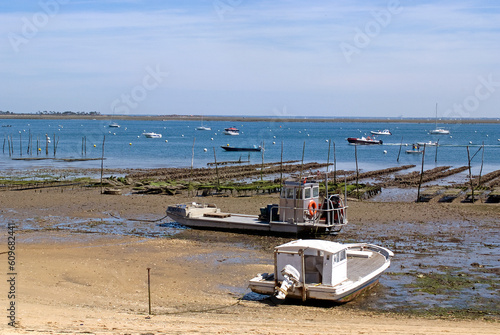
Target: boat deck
x,y
362,266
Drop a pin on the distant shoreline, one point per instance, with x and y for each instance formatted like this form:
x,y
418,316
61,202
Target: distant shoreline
x,y
238,118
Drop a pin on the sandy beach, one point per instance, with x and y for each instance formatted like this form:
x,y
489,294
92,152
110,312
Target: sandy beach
x,y
70,282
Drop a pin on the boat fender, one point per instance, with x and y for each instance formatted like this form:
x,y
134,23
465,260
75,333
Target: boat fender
x,y
313,208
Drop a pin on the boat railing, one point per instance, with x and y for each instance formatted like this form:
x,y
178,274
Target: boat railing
x,y
333,217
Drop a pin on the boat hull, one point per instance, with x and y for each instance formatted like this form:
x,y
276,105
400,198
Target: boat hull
x,y
355,140
240,149
213,219
316,292
365,264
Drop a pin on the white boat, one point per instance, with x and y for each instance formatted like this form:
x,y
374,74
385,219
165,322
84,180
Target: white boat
x,y
415,150
152,135
381,132
202,127
438,130
301,211
323,270
231,131
114,125
363,140
428,144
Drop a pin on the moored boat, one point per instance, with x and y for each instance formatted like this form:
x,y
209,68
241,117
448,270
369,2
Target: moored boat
x,y
114,125
152,135
428,144
363,140
230,148
300,212
231,131
381,132
414,150
322,270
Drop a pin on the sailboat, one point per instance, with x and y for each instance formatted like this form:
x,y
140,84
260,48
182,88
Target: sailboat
x,y
438,130
202,127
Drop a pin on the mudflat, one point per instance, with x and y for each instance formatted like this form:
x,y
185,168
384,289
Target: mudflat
x,y
71,281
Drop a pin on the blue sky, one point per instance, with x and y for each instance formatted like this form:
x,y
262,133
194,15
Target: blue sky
x,y
257,58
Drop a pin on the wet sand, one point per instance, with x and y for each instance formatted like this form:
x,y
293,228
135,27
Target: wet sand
x,y
82,282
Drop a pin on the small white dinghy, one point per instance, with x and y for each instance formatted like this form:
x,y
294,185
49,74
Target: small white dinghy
x,y
323,270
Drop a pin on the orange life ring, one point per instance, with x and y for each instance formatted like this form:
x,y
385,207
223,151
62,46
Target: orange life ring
x,y
313,208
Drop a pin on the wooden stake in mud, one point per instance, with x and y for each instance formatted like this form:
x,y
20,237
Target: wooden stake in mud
x,y
470,175
421,176
102,161
436,157
149,291
262,166
482,163
399,153
334,164
281,167
327,168
216,169
192,163
357,170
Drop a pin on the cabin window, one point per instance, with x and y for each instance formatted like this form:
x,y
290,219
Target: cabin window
x,y
307,193
289,193
339,256
315,192
299,194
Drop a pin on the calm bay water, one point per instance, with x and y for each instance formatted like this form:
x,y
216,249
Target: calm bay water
x,y
126,147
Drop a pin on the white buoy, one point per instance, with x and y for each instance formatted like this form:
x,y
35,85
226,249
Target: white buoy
x,y
274,142
385,151
326,141
211,138
166,141
205,149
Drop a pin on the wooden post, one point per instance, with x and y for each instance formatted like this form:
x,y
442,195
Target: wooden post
x,y
149,291
216,170
102,161
327,168
421,175
281,168
400,148
191,171
436,157
482,163
334,165
357,170
470,174
262,166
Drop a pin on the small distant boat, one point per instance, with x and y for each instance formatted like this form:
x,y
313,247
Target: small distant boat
x,y
114,125
202,127
229,148
6,125
428,144
414,150
438,130
231,131
152,135
363,140
322,270
381,132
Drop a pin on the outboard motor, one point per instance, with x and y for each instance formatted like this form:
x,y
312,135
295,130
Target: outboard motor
x,y
292,277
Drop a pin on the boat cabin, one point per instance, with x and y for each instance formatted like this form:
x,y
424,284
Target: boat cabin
x,y
299,201
318,261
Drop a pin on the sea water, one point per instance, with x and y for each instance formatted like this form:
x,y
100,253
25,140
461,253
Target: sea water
x,y
182,145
